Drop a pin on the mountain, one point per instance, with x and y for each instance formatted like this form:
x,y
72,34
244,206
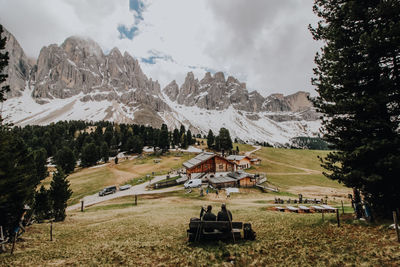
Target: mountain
x,y
77,80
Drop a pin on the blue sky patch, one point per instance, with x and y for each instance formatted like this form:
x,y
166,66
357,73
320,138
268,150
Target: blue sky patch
x,y
154,56
138,6
126,32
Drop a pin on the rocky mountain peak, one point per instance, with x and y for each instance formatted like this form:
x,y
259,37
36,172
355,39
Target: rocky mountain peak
x,y
82,46
18,68
219,77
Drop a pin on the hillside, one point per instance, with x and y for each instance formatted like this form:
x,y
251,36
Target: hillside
x,y
116,232
154,234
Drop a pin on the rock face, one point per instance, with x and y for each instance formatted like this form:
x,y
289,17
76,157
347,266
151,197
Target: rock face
x,y
216,93
18,67
79,66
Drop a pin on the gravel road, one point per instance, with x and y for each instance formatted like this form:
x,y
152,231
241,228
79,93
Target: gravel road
x,y
139,189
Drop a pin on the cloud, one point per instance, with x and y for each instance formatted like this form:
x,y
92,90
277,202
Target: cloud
x,y
263,43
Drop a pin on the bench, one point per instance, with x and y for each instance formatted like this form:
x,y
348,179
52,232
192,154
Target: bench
x,y
292,209
217,230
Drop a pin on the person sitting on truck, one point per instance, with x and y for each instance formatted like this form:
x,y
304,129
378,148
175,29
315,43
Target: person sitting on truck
x,y
209,216
224,214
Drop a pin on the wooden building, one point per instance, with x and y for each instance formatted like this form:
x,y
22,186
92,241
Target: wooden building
x,y
222,182
243,179
255,161
233,179
208,162
243,162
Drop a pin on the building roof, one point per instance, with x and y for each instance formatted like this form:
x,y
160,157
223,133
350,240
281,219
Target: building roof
x,y
221,179
240,175
198,159
236,157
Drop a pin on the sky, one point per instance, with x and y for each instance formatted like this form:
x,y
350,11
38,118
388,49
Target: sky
x,y
265,43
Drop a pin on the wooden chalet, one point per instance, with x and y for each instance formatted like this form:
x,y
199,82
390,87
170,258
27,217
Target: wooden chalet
x,y
208,162
255,161
244,179
233,179
243,162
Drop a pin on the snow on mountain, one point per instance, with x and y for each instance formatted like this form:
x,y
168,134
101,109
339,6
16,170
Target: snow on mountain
x,y
77,81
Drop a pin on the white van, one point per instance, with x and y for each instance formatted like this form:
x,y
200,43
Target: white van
x,y
192,183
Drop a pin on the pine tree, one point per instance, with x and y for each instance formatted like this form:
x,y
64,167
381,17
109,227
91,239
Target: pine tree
x,y
184,141
182,130
3,64
65,159
164,140
210,139
59,194
225,139
189,137
176,137
90,155
18,178
40,158
104,152
357,79
42,207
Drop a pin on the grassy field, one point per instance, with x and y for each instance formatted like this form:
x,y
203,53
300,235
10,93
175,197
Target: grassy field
x,y
88,181
154,234
298,171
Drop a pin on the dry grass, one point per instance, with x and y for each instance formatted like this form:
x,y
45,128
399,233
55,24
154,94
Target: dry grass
x,y
154,234
91,180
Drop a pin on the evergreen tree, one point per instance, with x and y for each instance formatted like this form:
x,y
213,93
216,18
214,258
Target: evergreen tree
x,y
217,145
90,155
176,137
65,159
3,64
225,139
104,152
59,194
189,137
42,207
182,131
40,158
18,179
184,141
210,139
135,144
357,79
164,141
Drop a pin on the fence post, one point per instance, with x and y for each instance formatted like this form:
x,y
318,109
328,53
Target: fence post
x,y
82,205
135,200
396,225
342,208
322,215
338,218
13,245
2,239
51,230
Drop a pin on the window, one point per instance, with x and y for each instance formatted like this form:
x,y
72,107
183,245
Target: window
x,y
221,166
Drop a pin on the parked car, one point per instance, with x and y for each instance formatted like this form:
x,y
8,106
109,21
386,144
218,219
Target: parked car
x,y
192,183
108,190
124,187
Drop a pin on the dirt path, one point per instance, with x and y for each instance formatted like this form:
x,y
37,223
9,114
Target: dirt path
x,y
306,171
256,148
139,189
